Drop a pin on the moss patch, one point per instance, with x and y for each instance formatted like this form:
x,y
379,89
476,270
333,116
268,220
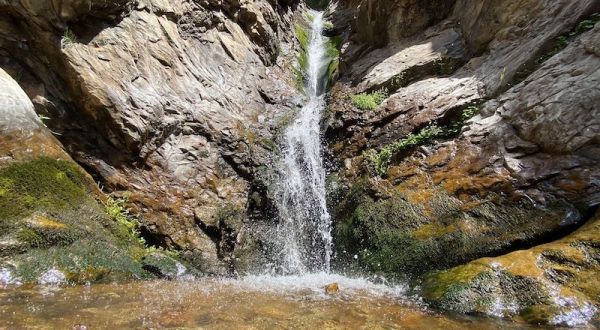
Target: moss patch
x,y
85,260
379,161
369,101
397,235
41,184
47,208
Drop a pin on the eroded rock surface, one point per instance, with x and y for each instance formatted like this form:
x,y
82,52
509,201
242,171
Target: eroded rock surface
x,y
420,187
170,102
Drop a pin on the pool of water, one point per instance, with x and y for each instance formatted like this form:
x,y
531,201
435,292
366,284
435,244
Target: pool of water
x,y
255,302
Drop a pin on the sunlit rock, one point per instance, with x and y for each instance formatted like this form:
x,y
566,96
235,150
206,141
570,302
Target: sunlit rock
x,y
332,288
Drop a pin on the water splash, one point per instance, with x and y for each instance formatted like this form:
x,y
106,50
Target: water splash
x,y
303,237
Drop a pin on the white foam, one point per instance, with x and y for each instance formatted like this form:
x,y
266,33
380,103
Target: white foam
x,y
313,284
7,277
52,276
574,313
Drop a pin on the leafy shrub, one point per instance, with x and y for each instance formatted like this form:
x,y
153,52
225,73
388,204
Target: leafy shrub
x,y
369,101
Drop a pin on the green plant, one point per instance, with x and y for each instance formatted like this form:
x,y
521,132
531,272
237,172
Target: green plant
x,y
68,38
587,24
380,160
369,101
129,226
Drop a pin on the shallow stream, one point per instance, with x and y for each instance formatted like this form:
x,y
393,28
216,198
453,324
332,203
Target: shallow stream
x,y
256,302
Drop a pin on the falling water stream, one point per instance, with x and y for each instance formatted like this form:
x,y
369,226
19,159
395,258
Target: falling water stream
x,y
303,236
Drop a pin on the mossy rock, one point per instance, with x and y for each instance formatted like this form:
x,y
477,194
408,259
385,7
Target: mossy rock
x,y
40,184
554,283
50,219
163,266
83,261
399,233
483,289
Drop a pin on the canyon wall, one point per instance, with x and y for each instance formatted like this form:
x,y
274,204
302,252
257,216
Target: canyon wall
x,y
486,142
170,104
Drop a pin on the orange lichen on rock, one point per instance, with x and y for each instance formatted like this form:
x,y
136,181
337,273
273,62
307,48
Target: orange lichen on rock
x,y
43,222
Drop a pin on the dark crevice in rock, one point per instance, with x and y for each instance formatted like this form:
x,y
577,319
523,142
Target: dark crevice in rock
x,y
156,239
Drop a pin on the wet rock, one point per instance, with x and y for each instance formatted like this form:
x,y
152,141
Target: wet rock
x,y
160,99
522,158
380,22
54,229
332,288
516,41
7,276
552,283
52,276
164,266
516,176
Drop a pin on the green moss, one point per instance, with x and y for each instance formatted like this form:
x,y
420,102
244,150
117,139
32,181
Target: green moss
x,y
78,259
89,274
477,287
39,185
46,205
302,35
333,46
332,51
388,235
160,265
30,237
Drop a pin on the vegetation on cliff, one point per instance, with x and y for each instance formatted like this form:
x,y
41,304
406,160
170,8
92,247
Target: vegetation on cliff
x,y
51,221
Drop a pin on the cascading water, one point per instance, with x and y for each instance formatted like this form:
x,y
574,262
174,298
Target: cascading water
x,y
303,241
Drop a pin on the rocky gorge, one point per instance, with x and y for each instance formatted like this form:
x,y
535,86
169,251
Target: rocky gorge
x,y
139,139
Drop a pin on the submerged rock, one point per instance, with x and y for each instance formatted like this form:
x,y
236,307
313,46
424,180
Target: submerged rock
x,y
7,277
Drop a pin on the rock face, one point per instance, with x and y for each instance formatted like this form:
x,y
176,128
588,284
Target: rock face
x,y
487,143
171,102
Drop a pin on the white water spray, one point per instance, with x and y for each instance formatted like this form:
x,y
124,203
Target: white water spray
x,y
303,241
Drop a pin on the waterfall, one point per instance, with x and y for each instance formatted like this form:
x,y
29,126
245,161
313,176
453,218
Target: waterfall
x,y
303,238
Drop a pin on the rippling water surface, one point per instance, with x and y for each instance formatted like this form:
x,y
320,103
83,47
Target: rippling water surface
x,y
256,302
